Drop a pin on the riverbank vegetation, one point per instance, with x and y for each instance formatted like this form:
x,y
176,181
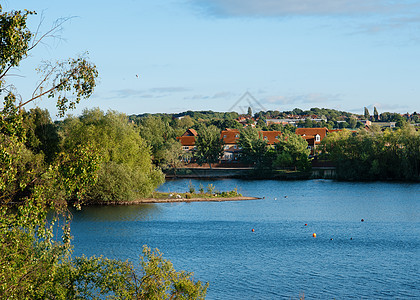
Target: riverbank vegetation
x,y
45,165
375,155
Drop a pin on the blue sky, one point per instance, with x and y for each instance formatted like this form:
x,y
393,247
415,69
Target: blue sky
x,y
205,54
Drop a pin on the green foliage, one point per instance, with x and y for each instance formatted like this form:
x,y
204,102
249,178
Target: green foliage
x,y
127,172
366,114
41,133
158,134
209,145
14,40
292,152
33,263
161,281
210,188
254,148
377,155
173,155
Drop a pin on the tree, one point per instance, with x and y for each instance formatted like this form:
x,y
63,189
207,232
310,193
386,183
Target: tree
x,y
366,114
254,148
126,172
292,152
35,264
375,114
249,111
173,156
209,145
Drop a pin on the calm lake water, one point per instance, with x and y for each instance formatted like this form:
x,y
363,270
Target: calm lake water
x,y
375,259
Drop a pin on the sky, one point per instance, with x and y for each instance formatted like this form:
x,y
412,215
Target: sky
x,y
177,55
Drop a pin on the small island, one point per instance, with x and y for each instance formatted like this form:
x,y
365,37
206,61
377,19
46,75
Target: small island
x,y
192,196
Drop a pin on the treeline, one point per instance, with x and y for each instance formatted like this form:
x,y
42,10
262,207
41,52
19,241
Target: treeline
x,y
375,155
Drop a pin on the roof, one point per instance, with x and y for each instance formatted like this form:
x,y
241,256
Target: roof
x,y
190,132
230,136
187,140
270,136
322,132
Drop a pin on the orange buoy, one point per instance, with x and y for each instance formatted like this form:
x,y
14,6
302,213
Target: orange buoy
x,y
314,235
252,230
362,220
306,224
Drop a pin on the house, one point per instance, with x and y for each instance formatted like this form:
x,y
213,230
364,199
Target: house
x,y
187,140
230,139
313,136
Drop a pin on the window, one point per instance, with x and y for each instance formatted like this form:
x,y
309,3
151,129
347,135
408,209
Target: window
x,y
224,136
185,148
265,138
237,135
226,147
317,138
235,147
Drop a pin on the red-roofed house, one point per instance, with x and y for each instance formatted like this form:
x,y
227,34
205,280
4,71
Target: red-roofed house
x,y
187,140
313,136
230,139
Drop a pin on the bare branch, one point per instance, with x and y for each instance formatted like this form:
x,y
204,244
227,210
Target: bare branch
x,y
56,27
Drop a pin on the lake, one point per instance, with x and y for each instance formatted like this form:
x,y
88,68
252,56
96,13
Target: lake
x,y
378,258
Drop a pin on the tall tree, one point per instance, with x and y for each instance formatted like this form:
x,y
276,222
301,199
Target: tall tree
x,y
209,147
375,114
249,111
366,114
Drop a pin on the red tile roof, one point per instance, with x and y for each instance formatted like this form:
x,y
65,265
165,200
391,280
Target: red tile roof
x,y
312,132
230,136
187,140
270,136
190,132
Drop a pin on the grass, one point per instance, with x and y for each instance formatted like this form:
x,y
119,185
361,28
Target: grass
x,y
216,194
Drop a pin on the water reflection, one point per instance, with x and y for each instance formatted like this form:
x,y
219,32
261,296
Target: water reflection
x,y
122,213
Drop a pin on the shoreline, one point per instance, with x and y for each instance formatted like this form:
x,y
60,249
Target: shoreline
x,y
172,200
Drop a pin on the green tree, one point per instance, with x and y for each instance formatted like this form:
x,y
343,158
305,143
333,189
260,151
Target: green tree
x,y
127,172
292,152
249,111
34,263
173,156
375,114
254,148
366,114
209,145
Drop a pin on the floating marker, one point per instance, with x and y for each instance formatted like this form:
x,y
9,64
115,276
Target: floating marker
x,y
362,220
314,235
253,230
306,224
